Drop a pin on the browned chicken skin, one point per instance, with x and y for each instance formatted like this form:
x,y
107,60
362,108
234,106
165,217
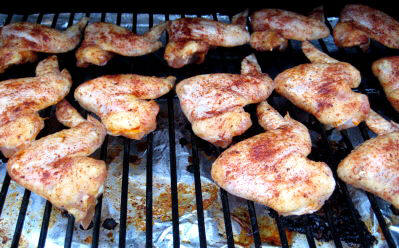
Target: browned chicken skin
x,y
57,168
374,165
323,88
21,99
121,102
387,71
358,22
272,168
191,38
103,40
19,42
213,103
273,27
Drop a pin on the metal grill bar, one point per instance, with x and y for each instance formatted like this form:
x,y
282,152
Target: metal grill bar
x,y
148,214
124,193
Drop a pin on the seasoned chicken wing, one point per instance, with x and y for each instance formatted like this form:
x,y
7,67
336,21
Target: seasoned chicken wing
x,y
121,102
374,165
21,99
387,71
191,38
363,22
213,103
272,168
20,41
103,40
273,27
323,88
57,168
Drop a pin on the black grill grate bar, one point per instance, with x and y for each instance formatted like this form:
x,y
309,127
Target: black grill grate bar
x,y
124,192
148,203
45,224
254,223
227,219
198,192
69,231
21,219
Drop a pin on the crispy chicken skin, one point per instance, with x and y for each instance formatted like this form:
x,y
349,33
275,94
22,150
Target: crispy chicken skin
x,y
374,165
366,22
272,168
20,41
213,103
191,38
323,88
57,168
103,40
387,72
273,27
21,99
121,102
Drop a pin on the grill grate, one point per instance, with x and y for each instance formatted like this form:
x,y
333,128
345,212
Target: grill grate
x,y
271,63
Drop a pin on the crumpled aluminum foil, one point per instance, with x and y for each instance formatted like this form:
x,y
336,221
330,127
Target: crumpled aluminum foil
x,y
162,225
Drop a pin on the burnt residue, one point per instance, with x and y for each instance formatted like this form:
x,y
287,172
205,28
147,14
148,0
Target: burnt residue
x,y
317,224
109,224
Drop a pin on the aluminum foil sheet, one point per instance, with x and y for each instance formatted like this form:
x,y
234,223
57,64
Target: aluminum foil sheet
x,y
162,224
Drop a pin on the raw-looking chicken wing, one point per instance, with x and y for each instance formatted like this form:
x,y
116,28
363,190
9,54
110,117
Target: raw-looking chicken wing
x,y
20,41
323,88
387,71
121,102
213,103
103,40
57,168
358,22
274,27
272,168
191,38
374,165
21,99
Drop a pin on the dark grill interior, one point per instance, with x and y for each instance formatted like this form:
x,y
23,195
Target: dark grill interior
x,y
338,221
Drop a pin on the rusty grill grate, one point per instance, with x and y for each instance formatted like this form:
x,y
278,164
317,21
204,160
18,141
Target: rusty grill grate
x,y
345,228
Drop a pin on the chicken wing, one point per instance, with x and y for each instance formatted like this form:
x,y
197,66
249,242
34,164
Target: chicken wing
x,y
121,102
363,22
191,38
21,99
213,103
272,168
273,27
57,168
103,40
323,88
387,71
20,41
374,165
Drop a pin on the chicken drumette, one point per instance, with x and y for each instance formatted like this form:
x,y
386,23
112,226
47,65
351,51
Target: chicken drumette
x,y
103,40
213,103
57,168
21,99
272,28
272,168
323,88
358,23
191,38
121,102
20,41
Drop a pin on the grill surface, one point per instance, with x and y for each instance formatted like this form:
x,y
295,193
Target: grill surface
x,y
338,221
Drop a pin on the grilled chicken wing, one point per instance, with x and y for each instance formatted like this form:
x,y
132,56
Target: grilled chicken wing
x,y
273,27
374,165
121,102
272,168
19,42
363,22
387,71
103,40
213,103
57,168
21,99
191,38
323,88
